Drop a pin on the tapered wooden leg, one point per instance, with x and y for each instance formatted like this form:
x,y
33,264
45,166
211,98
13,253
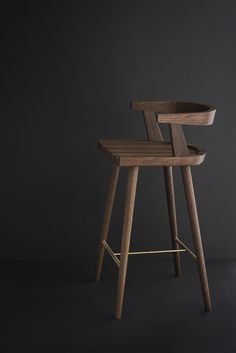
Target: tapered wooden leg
x,y
170,193
127,226
192,209
107,217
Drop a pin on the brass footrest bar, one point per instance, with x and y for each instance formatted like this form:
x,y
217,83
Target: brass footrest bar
x,y
117,261
110,251
152,252
186,248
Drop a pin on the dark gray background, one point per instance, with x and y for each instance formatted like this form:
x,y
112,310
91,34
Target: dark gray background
x,y
69,71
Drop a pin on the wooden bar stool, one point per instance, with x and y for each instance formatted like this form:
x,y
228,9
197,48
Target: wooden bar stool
x,y
156,152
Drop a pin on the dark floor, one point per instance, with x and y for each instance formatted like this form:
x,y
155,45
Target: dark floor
x,y
56,307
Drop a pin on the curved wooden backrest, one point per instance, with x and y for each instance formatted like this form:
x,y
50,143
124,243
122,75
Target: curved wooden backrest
x,y
186,113
174,114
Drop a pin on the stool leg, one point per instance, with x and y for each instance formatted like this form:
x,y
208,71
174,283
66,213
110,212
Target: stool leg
x,y
193,215
170,193
107,217
127,226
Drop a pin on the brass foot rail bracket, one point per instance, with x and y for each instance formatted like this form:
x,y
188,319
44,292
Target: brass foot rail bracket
x,y
111,252
186,248
114,255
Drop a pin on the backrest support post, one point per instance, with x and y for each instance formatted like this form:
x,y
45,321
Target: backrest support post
x,y
152,127
178,142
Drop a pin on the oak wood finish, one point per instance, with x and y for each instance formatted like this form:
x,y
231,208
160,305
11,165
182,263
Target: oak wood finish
x,y
134,153
193,215
153,130
170,194
127,226
158,152
154,134
179,145
205,118
107,217
179,112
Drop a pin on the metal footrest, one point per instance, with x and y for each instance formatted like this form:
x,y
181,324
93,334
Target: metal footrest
x,y
117,261
152,252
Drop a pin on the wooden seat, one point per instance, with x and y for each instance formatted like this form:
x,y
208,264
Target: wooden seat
x,y
141,153
155,152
